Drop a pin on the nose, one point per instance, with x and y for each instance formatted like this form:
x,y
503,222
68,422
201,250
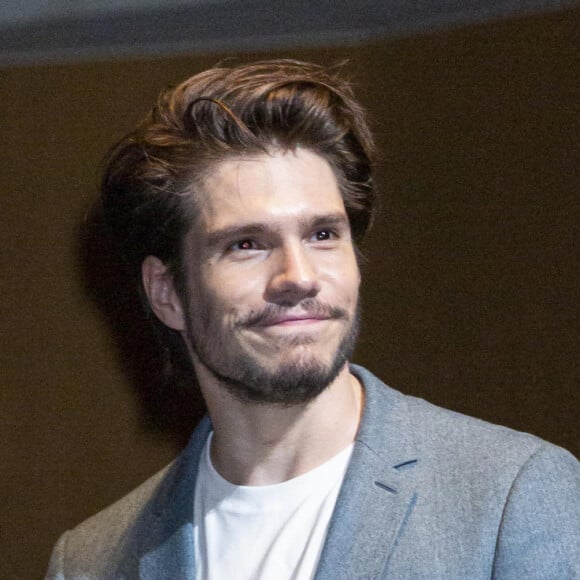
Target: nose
x,y
294,276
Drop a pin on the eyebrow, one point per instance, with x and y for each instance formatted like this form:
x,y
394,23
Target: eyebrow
x,y
217,237
334,219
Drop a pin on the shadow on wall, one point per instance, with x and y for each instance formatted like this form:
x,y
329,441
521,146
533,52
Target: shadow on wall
x,y
169,407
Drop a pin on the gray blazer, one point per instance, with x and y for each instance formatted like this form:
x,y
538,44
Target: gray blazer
x,y
428,494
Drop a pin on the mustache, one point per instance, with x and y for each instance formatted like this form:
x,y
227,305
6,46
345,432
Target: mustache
x,y
271,312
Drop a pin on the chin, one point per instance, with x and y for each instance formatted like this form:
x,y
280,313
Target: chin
x,y
295,382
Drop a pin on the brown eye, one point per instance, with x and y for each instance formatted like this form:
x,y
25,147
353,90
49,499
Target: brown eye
x,y
244,245
323,235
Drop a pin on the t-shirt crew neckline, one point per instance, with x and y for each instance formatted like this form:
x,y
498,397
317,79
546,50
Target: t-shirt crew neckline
x,y
251,499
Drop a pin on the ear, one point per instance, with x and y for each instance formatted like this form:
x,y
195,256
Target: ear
x,y
160,289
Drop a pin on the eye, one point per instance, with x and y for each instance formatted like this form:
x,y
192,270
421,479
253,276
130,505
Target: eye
x,y
242,245
324,235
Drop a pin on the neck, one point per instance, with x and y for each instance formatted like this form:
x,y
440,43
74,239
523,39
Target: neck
x,y
260,444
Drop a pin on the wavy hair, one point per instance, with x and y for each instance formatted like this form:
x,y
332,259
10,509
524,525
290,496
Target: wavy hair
x,y
151,176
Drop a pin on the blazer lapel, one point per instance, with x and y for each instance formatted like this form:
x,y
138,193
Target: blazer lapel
x,y
161,543
378,493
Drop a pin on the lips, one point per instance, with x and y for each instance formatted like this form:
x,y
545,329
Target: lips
x,y
308,312
293,319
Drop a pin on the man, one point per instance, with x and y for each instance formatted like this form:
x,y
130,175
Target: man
x,y
238,203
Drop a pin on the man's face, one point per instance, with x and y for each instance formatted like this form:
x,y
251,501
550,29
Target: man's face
x,y
272,278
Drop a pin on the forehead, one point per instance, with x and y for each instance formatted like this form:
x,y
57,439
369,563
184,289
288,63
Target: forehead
x,y
268,188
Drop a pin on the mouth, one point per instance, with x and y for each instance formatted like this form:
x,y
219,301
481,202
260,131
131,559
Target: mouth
x,y
304,315
302,319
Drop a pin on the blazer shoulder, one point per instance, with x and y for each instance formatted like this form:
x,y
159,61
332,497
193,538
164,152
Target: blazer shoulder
x,y
445,437
96,547
92,549
447,433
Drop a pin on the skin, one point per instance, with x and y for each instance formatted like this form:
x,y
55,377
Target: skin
x,y
273,285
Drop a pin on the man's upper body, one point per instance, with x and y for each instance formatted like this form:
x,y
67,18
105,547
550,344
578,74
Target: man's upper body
x,y
428,494
238,203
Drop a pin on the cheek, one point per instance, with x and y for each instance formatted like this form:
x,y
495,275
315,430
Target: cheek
x,y
344,274
240,286
226,298
349,285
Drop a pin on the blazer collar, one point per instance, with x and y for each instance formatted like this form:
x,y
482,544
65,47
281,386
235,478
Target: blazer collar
x,y
160,544
378,493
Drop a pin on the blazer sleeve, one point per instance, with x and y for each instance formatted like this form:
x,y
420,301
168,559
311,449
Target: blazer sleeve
x,y
56,565
539,535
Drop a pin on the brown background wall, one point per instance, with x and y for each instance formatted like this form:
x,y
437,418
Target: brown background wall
x,y
471,282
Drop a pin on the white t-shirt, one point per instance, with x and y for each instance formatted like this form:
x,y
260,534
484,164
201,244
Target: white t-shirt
x,y
270,532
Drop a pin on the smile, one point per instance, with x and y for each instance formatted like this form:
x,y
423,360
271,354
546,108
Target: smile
x,y
293,320
276,317
299,322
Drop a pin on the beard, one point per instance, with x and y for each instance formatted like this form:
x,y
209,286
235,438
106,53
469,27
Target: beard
x,y
295,381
